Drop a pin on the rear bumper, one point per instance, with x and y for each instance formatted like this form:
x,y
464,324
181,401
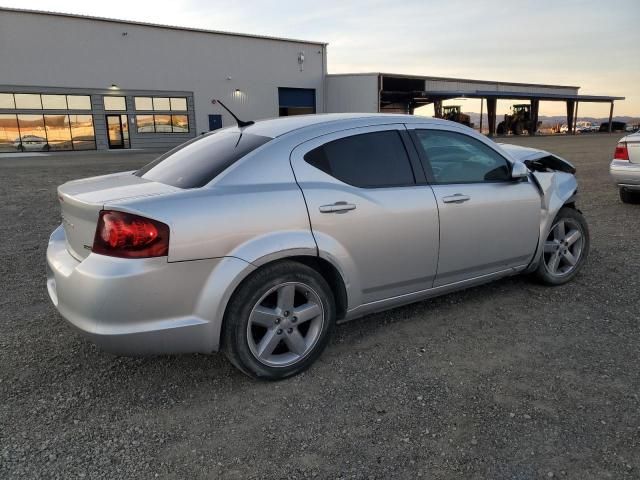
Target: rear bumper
x,y
141,306
625,173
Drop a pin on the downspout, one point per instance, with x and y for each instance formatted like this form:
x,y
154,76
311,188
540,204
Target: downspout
x,y
325,91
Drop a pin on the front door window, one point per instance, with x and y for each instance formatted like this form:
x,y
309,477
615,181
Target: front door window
x,y
118,131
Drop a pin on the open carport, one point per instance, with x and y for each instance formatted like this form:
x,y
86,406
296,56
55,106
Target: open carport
x,y
397,93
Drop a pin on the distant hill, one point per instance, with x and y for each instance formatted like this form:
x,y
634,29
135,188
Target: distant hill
x,y
559,119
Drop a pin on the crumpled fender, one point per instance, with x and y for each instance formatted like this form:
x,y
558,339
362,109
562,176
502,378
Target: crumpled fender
x,y
557,189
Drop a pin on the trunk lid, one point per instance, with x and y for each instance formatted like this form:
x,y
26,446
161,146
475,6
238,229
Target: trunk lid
x,y
633,147
82,200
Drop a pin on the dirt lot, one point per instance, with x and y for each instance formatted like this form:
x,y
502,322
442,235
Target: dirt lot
x,y
509,380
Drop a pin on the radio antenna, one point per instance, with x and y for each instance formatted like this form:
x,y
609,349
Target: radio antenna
x,y
241,123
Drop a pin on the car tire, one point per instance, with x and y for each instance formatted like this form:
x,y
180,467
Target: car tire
x,y
261,334
629,196
562,247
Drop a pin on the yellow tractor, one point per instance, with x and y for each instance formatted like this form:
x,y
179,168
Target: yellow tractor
x,y
517,122
454,114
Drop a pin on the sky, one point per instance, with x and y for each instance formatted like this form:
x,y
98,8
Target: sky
x,y
591,44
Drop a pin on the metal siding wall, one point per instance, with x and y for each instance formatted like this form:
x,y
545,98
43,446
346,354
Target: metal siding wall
x,y
99,122
352,93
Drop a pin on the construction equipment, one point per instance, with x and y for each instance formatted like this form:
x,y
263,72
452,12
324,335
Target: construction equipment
x,y
517,122
454,114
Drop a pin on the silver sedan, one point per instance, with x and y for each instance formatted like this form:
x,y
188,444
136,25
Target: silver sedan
x,y
625,168
256,240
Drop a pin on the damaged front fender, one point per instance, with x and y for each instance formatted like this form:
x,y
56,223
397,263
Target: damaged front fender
x,y
557,189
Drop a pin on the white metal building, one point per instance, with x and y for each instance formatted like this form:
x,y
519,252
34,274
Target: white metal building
x,y
75,82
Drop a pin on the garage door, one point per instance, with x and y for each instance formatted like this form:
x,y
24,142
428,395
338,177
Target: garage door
x,y
296,101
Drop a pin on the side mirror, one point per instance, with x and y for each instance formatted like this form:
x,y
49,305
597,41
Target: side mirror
x,y
519,171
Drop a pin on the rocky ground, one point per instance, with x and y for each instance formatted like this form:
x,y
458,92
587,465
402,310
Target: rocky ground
x,y
509,380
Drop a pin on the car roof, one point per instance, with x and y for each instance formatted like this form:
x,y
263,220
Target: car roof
x,y
276,127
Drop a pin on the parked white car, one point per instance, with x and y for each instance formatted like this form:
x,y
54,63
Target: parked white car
x,y
625,168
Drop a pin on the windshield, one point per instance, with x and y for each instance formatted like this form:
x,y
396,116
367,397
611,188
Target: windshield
x,y
196,162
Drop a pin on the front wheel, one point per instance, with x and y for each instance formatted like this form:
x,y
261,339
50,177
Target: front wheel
x,y
565,249
279,321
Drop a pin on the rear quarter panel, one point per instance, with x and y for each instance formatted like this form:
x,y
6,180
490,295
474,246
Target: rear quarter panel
x,y
252,211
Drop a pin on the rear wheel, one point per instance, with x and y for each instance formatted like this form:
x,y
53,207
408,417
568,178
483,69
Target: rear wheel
x,y
279,321
565,249
629,196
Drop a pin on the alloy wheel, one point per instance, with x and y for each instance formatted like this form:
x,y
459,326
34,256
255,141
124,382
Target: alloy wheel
x,y
563,247
285,324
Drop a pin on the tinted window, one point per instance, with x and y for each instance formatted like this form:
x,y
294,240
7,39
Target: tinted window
x,y
161,103
54,102
197,162
115,103
143,103
369,160
458,158
6,100
28,100
79,102
178,103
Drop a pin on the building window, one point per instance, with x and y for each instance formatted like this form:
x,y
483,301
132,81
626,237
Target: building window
x,y
143,103
6,101
162,123
54,102
79,102
145,123
114,103
180,123
82,132
161,104
58,132
28,101
9,133
37,132
179,104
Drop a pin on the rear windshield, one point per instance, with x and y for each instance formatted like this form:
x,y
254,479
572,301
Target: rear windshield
x,y
197,162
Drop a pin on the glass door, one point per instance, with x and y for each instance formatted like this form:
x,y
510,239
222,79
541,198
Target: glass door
x,y
118,131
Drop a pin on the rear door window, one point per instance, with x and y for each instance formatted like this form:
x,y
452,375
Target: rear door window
x,y
369,160
197,162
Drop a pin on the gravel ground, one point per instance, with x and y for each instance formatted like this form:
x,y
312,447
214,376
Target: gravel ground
x,y
508,380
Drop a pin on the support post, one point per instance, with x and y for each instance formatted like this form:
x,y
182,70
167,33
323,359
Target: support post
x,y
481,105
437,108
535,105
491,115
575,120
571,104
611,118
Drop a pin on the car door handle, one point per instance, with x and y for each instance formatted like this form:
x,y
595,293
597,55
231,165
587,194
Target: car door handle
x,y
338,207
457,198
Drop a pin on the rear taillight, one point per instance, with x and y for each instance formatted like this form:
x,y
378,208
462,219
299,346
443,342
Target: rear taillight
x,y
621,152
125,235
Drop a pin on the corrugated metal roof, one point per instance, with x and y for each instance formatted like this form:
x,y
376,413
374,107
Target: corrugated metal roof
x,y
451,79
548,96
158,25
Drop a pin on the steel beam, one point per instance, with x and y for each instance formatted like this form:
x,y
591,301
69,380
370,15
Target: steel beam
x,y
491,115
611,118
571,105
